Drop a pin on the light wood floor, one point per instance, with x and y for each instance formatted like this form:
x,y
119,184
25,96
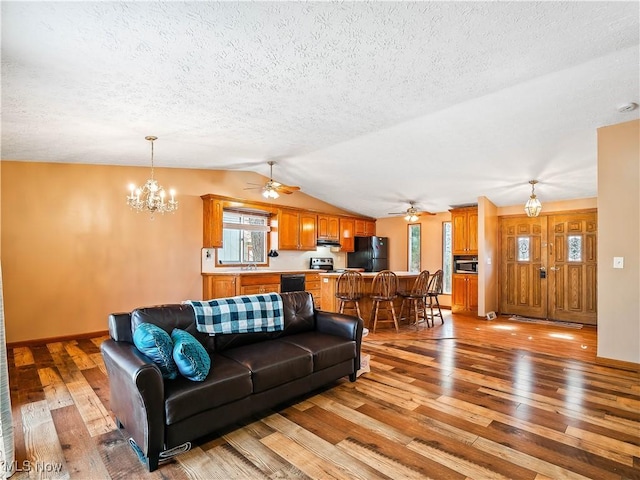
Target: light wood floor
x,y
467,399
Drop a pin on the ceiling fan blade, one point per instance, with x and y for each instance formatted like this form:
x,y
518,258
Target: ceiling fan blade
x,y
287,189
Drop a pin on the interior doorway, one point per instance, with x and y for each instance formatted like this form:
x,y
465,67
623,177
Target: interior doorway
x,y
548,266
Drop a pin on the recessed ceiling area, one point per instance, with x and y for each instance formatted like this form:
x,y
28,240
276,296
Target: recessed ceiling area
x,y
364,105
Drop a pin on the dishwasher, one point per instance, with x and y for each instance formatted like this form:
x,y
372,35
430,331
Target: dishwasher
x,y
292,282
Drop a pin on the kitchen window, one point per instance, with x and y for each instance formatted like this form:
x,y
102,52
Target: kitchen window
x,y
244,238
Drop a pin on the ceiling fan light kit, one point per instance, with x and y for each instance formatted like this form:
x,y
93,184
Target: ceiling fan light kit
x,y
151,196
412,213
273,189
533,207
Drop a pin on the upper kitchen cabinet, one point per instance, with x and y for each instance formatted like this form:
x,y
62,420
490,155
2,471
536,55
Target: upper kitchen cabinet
x,y
328,228
347,234
365,228
296,229
212,209
464,222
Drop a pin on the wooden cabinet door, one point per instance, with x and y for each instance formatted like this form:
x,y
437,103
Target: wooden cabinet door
x,y
458,232
288,229
307,227
328,227
464,224
369,228
347,234
472,231
218,286
212,210
472,293
323,226
458,293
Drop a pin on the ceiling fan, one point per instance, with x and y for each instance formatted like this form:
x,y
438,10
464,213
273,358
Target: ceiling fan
x,y
412,213
273,189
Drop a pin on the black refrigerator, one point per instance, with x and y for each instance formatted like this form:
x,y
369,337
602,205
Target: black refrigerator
x,y
370,253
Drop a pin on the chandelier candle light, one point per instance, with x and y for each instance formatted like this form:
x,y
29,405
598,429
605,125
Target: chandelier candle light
x,y
151,196
533,207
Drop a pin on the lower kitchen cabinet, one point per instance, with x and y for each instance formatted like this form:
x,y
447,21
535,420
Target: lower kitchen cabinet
x,y
464,293
259,283
312,285
218,286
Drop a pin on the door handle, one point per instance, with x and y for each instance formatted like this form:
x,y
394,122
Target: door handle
x,y
554,269
542,269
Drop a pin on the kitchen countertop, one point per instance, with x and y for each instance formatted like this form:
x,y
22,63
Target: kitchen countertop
x,y
372,274
259,271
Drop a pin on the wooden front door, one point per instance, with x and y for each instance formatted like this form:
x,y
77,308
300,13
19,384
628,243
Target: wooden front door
x,y
523,286
548,266
572,267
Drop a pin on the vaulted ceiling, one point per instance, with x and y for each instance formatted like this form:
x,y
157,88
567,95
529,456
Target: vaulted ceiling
x,y
365,105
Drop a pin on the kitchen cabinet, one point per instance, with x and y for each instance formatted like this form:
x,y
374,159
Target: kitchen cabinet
x,y
212,209
328,228
252,284
296,229
347,234
464,293
312,285
365,228
218,286
464,223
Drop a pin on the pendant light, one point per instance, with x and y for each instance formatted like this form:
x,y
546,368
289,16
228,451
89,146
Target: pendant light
x,y
533,207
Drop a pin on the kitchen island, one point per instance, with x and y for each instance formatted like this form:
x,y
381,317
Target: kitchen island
x,y
330,303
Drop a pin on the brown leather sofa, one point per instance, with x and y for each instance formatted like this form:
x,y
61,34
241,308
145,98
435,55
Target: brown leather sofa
x,y
250,372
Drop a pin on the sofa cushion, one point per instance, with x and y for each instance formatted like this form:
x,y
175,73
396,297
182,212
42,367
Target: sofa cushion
x,y
327,350
272,363
156,344
227,381
191,358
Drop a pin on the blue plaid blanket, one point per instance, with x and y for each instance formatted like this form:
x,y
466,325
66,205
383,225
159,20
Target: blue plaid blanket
x,y
241,314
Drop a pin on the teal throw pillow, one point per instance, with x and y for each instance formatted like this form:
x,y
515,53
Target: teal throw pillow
x,y
190,356
156,344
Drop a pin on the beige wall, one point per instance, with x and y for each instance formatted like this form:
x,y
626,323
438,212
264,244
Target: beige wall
x,y
74,252
487,256
430,238
619,236
548,207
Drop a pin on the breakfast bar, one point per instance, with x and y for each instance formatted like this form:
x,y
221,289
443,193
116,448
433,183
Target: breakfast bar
x,y
330,303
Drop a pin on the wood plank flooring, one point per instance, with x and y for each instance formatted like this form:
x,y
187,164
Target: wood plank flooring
x,y
467,399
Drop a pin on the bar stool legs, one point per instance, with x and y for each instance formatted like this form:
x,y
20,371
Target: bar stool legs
x,y
374,314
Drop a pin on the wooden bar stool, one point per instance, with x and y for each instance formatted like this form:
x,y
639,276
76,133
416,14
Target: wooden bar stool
x,y
384,290
417,298
435,289
349,290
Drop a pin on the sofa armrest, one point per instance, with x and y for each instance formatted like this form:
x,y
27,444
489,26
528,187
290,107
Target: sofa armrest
x,y
339,324
137,396
120,327
342,325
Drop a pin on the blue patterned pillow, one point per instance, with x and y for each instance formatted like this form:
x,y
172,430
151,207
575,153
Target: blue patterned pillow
x,y
190,356
156,344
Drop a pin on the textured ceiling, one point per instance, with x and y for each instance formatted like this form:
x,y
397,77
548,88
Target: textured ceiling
x,y
365,105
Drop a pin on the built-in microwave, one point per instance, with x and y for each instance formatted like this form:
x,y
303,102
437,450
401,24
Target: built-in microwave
x,y
465,265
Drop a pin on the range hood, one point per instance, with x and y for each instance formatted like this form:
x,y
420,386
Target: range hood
x,y
327,243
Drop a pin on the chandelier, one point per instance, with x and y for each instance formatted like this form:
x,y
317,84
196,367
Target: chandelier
x,y
533,207
151,196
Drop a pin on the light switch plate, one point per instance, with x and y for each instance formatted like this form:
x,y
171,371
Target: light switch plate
x,y
618,262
